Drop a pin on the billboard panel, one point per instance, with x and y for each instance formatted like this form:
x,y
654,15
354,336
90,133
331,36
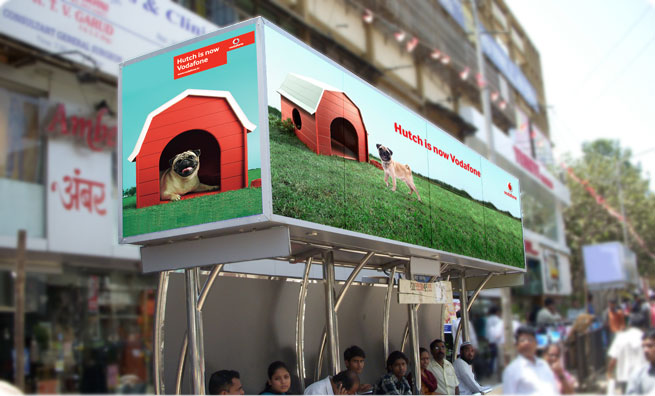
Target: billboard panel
x,y
190,150
402,178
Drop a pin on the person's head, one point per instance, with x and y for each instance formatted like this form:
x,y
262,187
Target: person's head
x,y
590,297
550,304
279,378
553,354
354,357
648,343
425,358
397,364
526,342
638,320
613,304
467,352
652,297
349,381
494,310
438,349
225,382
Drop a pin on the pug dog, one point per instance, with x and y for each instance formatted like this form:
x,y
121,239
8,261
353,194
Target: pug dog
x,y
182,177
396,170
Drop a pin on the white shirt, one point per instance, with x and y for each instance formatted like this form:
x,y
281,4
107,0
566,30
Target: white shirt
x,y
523,377
547,318
322,387
494,327
467,383
626,349
446,377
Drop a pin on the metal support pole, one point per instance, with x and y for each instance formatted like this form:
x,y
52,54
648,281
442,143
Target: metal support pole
x,y
470,304
330,314
412,311
201,337
387,312
300,325
337,304
464,300
185,343
622,207
160,318
197,372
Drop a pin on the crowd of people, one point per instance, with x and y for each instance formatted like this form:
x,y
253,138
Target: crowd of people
x,y
535,370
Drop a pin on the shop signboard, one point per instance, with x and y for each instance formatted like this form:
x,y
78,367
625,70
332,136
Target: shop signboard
x,y
322,152
100,33
413,292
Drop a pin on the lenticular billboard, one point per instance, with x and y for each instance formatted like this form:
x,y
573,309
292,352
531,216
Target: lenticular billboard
x,y
190,137
347,156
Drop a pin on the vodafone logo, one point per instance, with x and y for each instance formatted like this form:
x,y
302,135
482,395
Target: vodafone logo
x,y
236,41
511,190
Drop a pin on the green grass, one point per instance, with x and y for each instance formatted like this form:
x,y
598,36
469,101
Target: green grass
x,y
352,195
200,210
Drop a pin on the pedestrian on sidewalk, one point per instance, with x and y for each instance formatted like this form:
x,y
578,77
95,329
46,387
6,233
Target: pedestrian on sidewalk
x,y
626,352
643,381
528,374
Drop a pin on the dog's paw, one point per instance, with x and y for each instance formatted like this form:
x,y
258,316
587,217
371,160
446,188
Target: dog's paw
x,y
175,197
393,189
213,188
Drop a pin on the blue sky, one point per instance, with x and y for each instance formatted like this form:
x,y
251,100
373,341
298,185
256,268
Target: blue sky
x,y
149,83
598,61
380,114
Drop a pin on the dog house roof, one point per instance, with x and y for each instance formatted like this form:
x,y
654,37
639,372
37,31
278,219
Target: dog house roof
x,y
304,91
191,92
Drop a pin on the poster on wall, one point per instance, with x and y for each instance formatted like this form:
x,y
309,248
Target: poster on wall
x,y
190,135
347,156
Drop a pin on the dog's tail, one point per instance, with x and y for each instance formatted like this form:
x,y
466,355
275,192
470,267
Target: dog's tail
x,y
408,168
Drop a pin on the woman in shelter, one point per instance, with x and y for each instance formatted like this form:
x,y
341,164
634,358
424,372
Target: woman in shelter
x,y
279,379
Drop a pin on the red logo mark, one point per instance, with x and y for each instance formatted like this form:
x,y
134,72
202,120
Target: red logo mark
x,y
509,185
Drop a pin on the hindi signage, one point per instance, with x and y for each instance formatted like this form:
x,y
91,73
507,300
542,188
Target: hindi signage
x,y
412,292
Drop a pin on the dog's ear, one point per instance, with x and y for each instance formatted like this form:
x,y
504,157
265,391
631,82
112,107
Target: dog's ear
x,y
378,145
170,161
390,152
196,152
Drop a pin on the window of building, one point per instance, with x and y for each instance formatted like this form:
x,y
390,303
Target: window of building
x,y
503,87
539,211
499,15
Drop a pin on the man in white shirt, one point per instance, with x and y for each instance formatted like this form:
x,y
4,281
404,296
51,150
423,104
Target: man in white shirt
x,y
443,370
527,374
626,352
464,371
344,383
548,315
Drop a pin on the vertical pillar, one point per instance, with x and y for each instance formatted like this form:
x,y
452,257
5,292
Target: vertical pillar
x,y
387,313
464,303
19,312
195,336
412,312
331,318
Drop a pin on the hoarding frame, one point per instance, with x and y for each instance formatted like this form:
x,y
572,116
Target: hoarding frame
x,y
299,230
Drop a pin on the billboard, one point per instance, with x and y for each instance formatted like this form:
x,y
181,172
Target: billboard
x,y
334,156
190,137
102,32
347,156
609,265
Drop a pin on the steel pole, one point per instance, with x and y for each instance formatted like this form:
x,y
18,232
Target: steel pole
x,y
387,312
160,318
197,372
330,314
300,325
412,310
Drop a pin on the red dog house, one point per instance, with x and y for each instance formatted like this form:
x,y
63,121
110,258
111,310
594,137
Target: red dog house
x,y
211,121
326,120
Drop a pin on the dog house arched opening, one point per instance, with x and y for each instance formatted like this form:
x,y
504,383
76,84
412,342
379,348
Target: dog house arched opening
x,y
210,154
343,136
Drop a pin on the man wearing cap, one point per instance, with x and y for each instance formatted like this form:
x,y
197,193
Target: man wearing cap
x,y
464,371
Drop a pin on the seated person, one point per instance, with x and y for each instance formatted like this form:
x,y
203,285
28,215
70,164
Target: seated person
x,y
464,371
354,357
279,379
344,383
394,382
225,382
428,380
563,379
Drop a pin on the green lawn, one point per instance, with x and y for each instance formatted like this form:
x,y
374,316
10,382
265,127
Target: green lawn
x,y
200,210
352,195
